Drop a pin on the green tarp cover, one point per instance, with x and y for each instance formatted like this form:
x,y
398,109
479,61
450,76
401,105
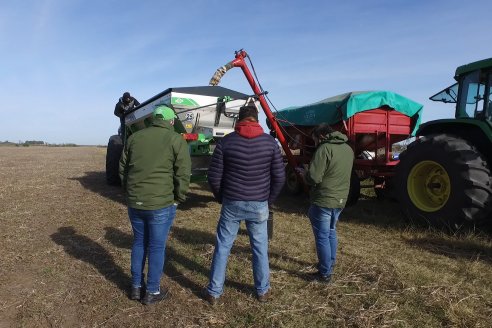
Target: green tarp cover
x,y
334,109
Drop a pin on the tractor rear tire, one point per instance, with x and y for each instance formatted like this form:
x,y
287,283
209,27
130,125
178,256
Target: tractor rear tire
x,y
292,183
444,181
113,154
354,191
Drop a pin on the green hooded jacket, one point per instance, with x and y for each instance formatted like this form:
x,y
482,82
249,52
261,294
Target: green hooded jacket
x,y
155,167
330,170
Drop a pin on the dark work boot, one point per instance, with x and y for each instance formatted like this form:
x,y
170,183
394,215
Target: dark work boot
x,y
136,293
317,276
209,298
155,298
265,297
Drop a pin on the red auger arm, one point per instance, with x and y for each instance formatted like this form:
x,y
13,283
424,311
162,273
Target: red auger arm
x,y
240,62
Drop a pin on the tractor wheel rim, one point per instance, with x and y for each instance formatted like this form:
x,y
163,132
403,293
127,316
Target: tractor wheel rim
x,y
429,186
292,180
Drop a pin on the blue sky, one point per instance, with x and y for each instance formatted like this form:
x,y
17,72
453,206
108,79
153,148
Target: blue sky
x,y
65,63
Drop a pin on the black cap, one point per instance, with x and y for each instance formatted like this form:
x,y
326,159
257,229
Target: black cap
x,y
322,130
248,111
126,95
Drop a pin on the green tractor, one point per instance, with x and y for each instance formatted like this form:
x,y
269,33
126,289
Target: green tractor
x,y
444,176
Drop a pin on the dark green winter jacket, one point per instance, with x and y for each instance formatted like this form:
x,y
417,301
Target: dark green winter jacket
x,y
155,167
330,170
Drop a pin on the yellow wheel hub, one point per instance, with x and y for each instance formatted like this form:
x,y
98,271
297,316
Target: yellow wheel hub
x,y
428,186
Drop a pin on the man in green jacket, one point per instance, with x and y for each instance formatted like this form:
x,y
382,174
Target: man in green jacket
x,y
155,171
329,177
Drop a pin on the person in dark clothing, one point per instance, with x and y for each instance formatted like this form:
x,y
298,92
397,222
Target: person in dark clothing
x,y
124,104
246,174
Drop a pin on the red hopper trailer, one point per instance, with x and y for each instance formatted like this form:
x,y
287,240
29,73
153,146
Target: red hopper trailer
x,y
372,120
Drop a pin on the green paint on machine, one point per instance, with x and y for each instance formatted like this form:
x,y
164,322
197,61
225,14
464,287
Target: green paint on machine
x,y
185,102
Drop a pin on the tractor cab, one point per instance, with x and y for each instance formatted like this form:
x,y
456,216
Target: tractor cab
x,y
472,92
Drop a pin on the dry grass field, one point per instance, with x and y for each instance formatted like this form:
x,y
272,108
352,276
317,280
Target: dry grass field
x,y
65,260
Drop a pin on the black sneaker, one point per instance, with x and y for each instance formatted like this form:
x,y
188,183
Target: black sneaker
x,y
136,293
209,298
317,276
155,298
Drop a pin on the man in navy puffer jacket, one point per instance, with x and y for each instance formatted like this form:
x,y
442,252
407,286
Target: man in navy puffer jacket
x,y
246,174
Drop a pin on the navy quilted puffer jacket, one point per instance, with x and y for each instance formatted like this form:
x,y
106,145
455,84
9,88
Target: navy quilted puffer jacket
x,y
247,165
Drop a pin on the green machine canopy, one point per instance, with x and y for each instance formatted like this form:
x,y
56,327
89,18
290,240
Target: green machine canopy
x,y
342,107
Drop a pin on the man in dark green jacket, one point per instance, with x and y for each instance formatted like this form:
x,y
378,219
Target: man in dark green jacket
x,y
329,177
155,171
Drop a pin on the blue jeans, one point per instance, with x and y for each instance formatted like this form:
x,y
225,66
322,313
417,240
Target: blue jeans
x,y
255,214
323,222
150,231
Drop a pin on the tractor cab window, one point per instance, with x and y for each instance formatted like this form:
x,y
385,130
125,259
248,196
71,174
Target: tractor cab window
x,y
471,102
448,95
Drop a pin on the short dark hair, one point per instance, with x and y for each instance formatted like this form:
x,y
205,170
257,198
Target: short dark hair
x,y
126,95
322,130
248,111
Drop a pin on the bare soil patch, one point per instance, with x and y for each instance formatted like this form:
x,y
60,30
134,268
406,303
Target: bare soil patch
x,y
65,259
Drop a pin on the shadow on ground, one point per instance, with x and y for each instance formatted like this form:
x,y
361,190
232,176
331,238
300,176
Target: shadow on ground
x,y
195,200
85,249
455,248
291,204
96,182
379,213
387,214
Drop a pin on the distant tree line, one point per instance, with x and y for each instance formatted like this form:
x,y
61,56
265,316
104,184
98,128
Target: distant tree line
x,y
28,143
34,142
62,145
